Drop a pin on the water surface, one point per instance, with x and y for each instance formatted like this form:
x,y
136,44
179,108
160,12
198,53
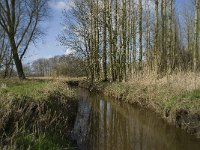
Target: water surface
x,y
106,124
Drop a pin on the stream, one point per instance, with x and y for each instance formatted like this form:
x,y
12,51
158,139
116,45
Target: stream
x,y
103,123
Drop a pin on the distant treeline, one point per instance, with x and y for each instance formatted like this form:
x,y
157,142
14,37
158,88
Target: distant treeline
x,y
64,65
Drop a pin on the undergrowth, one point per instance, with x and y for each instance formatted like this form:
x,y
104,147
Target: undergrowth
x,y
175,97
36,115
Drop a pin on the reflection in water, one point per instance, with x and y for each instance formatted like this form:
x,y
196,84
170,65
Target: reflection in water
x,y
104,124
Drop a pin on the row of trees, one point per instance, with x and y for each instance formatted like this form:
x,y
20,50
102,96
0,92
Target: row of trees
x,y
57,66
119,38
65,65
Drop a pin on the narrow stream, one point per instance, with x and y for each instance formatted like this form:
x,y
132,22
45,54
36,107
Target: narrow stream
x,y
106,124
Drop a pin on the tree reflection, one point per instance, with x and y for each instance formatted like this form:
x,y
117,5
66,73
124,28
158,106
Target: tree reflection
x,y
104,124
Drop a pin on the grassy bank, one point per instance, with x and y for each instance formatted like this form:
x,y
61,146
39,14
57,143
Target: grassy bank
x,y
176,98
36,114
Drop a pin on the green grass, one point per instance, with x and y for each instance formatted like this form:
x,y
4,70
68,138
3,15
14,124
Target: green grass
x,y
193,95
41,142
170,103
35,89
24,87
188,101
54,102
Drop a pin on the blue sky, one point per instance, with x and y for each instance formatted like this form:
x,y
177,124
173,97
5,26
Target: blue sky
x,y
49,46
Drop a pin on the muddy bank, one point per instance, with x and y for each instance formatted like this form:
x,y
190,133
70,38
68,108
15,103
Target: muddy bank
x,y
30,123
178,111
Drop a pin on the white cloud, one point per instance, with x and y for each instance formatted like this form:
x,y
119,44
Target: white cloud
x,y
61,4
69,51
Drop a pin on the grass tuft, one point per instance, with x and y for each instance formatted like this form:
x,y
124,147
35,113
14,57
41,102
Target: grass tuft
x,y
36,114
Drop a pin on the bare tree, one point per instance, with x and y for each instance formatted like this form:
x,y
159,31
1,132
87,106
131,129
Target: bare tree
x,y
196,36
156,53
104,59
140,34
20,20
113,30
169,44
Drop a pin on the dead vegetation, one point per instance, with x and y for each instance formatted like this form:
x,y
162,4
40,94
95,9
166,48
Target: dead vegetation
x,y
37,121
176,97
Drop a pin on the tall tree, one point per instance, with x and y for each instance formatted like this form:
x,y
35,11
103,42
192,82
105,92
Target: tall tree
x,y
20,20
140,34
169,36
163,35
148,57
196,36
105,77
133,37
110,39
115,40
97,37
156,53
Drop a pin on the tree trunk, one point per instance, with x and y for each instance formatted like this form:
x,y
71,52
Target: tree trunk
x,y
124,29
140,35
133,32
148,57
17,60
163,36
105,78
97,41
169,44
110,40
115,41
156,55
196,36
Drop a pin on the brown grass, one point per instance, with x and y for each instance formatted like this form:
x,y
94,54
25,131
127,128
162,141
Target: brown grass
x,y
47,110
176,97
186,81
